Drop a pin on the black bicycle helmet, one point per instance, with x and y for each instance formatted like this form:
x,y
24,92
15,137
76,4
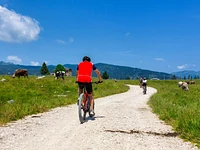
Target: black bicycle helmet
x,y
86,58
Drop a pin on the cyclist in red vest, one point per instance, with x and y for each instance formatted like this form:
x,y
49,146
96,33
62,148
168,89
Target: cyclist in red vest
x,y
84,77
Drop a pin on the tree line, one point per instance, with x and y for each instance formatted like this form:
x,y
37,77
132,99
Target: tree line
x,y
45,71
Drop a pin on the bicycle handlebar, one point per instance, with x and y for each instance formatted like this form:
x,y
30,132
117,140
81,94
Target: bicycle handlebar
x,y
96,82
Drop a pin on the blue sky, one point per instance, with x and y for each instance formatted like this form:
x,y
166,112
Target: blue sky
x,y
156,35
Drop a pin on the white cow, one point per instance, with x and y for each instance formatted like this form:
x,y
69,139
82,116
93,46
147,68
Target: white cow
x,y
183,85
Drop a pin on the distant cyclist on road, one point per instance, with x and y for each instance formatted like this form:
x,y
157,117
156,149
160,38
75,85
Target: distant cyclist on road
x,y
84,77
144,85
141,79
144,82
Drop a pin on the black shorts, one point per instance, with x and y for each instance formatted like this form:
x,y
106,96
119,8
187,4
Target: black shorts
x,y
144,84
87,85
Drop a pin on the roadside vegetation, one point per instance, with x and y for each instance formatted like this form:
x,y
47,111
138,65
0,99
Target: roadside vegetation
x,y
27,96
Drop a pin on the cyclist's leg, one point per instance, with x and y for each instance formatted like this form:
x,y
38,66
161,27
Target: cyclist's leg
x,y
80,89
89,90
91,101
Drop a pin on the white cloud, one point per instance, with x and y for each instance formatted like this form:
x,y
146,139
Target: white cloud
x,y
61,41
127,34
16,27
35,63
70,40
159,59
186,66
14,59
182,66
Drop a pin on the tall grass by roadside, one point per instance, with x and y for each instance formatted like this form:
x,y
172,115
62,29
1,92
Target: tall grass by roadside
x,y
178,108
26,96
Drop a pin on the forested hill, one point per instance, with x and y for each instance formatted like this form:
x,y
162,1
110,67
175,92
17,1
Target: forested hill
x,y
114,71
124,72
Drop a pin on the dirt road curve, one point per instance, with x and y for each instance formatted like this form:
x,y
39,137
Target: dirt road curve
x,y
122,122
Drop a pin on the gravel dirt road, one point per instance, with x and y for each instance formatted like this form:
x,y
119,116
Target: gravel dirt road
x,y
122,122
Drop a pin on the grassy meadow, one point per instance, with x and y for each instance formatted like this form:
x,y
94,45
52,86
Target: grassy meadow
x,y
26,96
22,97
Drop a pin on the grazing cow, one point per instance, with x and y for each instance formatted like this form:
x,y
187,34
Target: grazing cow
x,y
192,82
183,85
180,83
188,82
60,74
20,72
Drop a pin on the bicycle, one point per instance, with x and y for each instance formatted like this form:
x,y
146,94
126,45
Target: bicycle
x,y
84,102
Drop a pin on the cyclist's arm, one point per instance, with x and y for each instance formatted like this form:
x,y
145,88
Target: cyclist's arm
x,y
98,74
77,73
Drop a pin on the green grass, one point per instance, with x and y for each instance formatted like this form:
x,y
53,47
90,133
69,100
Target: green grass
x,y
31,95
180,109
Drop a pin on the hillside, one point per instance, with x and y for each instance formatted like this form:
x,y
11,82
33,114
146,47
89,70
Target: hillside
x,y
186,73
114,71
122,72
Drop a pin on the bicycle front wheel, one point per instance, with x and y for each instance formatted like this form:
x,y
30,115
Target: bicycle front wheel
x,y
81,112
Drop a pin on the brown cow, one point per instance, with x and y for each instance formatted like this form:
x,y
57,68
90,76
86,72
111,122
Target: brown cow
x,y
20,72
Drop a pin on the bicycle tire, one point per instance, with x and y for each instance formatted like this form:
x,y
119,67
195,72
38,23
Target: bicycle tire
x,y
81,112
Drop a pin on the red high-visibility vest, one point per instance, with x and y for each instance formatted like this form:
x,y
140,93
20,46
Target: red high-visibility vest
x,y
85,71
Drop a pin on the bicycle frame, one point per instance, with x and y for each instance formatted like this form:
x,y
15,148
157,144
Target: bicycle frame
x,y
84,103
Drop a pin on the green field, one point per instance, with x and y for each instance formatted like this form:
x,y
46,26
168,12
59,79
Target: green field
x,y
22,97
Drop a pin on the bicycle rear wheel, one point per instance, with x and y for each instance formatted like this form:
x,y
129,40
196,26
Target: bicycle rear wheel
x,y
81,112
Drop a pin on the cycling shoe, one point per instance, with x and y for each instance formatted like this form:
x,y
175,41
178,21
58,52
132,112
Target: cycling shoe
x,y
92,113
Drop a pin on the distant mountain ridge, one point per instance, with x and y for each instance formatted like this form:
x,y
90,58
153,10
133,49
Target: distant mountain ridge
x,y
114,71
122,72
186,73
